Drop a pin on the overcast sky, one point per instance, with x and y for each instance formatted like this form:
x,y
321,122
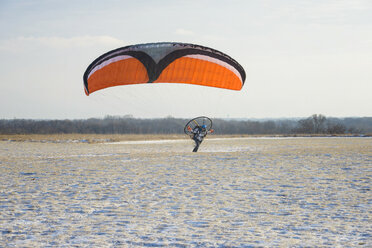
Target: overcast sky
x,y
301,57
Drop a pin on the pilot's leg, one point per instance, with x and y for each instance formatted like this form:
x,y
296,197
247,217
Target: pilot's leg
x,y
197,143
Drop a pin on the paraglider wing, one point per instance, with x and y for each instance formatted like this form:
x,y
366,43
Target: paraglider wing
x,y
165,62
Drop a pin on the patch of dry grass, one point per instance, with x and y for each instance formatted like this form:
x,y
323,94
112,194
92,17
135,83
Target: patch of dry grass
x,y
100,138
87,138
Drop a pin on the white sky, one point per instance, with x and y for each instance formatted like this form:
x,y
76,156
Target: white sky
x,y
301,57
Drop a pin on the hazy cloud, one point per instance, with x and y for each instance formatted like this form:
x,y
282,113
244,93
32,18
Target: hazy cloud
x,y
184,32
59,42
332,11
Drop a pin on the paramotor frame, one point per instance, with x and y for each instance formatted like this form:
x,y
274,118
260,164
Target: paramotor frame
x,y
198,121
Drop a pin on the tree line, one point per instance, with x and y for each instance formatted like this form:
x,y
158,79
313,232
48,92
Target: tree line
x,y
315,124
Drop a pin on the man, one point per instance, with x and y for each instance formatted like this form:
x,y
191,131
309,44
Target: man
x,y
199,132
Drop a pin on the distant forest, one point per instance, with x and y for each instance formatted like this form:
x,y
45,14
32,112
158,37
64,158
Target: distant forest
x,y
315,124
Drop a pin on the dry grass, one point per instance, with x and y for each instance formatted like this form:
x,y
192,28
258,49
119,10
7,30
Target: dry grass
x,y
100,138
88,138
234,192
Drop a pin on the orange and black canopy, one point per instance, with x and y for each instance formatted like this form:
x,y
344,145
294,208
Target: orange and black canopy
x,y
165,62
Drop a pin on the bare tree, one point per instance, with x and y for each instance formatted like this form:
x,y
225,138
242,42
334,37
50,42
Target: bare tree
x,y
128,124
319,122
335,128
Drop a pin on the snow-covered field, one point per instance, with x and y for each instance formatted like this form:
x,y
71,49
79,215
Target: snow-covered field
x,y
241,192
